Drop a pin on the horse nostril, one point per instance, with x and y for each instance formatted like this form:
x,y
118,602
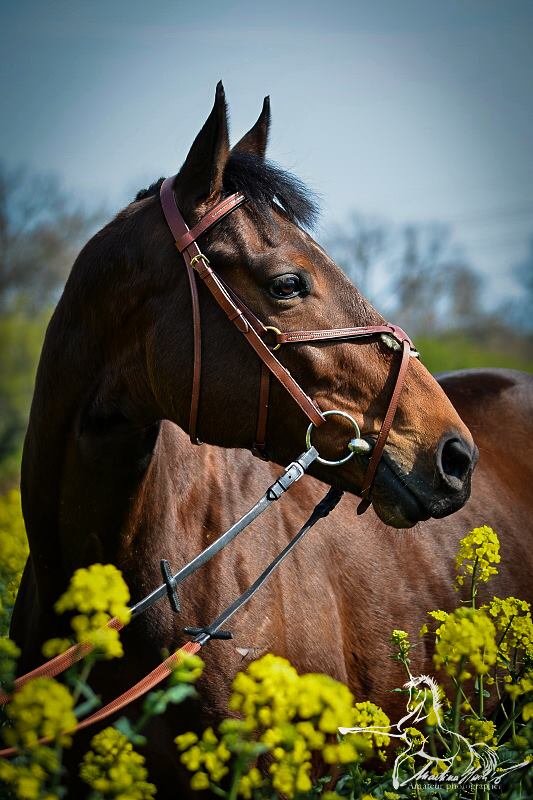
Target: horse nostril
x,y
454,462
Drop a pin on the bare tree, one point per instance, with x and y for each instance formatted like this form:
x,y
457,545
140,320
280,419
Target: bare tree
x,y
40,234
358,247
421,274
521,309
463,286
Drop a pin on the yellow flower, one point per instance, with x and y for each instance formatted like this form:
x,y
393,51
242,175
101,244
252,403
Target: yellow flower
x,y
481,730
416,736
208,752
41,708
199,781
28,781
247,783
478,550
400,639
99,593
53,647
9,652
112,768
369,715
466,635
186,740
270,681
522,687
187,668
326,700
514,625
13,553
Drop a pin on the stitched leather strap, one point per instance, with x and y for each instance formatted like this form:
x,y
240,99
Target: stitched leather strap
x,y
242,318
259,448
385,429
292,337
236,315
211,218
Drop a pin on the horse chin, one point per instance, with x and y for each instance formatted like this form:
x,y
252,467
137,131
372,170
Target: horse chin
x,y
393,501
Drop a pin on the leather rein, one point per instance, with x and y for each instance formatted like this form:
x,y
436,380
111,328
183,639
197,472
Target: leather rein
x,y
256,333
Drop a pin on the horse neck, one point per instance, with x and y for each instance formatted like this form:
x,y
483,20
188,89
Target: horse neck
x,y
77,473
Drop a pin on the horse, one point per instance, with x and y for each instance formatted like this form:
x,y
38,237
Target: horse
x,y
109,473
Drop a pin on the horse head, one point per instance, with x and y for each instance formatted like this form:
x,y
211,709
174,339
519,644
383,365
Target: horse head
x,y
421,689
264,254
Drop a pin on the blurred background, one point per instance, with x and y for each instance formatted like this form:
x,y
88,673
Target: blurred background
x,y
411,119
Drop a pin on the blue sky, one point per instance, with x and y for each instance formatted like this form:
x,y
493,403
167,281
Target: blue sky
x,y
414,110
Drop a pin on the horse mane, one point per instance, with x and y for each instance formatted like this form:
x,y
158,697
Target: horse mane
x,y
431,683
265,185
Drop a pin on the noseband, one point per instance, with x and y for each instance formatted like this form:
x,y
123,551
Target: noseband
x,y
256,333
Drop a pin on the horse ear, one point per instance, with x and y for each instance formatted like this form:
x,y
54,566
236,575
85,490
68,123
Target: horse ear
x,y
256,140
200,178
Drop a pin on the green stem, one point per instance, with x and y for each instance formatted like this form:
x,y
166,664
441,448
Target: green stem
x,y
457,703
510,722
88,664
442,741
218,791
405,662
473,586
464,695
237,772
504,634
500,704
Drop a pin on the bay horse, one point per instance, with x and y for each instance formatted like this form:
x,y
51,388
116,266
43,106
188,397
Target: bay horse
x,y
109,473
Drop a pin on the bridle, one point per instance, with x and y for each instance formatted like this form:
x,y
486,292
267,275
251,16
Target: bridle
x,y
256,333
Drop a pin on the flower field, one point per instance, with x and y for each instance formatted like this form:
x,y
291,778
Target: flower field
x,y
473,735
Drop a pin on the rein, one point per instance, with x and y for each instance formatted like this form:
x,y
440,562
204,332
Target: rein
x,y
255,332
64,661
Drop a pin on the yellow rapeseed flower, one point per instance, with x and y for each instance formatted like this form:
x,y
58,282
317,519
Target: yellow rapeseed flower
x,y
28,780
40,708
478,550
270,682
112,768
248,782
522,687
369,715
400,639
514,625
98,593
13,553
9,653
481,730
204,756
466,635
187,668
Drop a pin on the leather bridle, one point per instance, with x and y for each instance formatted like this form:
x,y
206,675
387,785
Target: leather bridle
x,y
256,333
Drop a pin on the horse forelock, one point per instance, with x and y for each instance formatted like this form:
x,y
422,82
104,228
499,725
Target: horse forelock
x,y
266,187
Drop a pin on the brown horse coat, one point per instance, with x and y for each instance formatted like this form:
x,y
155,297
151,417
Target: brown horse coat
x,y
109,474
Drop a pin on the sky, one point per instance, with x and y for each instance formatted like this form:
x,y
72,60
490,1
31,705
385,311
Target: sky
x,y
410,110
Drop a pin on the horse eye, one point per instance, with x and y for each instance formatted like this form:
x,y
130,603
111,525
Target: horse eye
x,y
285,287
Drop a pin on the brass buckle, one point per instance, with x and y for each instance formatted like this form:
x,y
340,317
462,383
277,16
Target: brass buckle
x,y
197,257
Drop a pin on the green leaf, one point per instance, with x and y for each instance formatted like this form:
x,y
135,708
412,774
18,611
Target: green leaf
x,y
157,702
125,727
